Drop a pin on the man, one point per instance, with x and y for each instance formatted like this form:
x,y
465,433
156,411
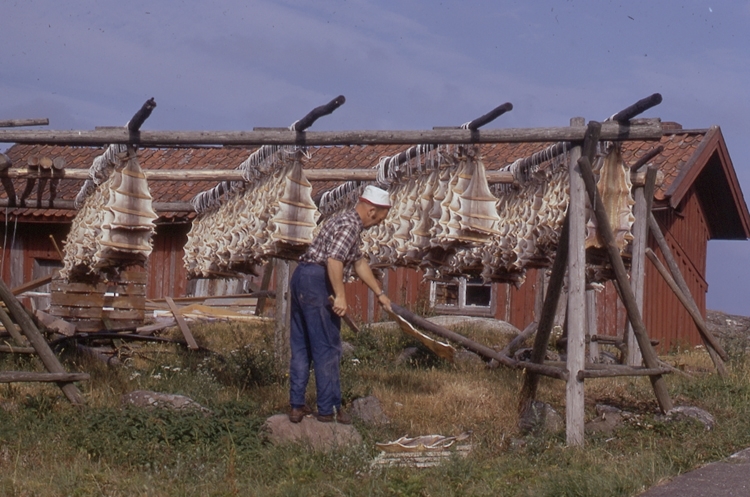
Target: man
x,y
315,334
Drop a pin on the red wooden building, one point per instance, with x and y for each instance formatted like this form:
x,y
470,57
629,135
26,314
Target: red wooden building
x,y
699,200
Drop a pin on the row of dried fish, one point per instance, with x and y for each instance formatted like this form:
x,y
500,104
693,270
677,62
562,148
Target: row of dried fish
x,y
115,222
274,215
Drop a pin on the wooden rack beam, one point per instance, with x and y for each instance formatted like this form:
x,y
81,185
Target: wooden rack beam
x,y
14,123
235,175
24,376
613,131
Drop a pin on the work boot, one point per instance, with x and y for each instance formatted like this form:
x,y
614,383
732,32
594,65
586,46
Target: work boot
x,y
298,413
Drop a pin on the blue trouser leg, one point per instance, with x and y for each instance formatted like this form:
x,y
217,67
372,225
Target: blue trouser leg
x,y
314,335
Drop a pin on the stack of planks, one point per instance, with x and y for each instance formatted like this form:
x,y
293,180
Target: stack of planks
x,y
116,303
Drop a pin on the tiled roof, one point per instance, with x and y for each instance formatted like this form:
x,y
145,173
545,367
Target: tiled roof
x,y
679,147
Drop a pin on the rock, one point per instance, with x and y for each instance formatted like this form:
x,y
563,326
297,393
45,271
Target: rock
x,y
406,355
681,413
609,418
456,323
368,409
347,349
148,399
465,357
477,323
319,436
541,417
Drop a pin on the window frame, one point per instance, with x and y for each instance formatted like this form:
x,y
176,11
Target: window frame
x,y
462,307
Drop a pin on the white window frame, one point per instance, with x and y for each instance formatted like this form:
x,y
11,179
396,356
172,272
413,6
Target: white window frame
x,y
462,307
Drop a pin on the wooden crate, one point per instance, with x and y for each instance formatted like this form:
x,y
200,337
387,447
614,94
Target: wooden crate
x,y
101,304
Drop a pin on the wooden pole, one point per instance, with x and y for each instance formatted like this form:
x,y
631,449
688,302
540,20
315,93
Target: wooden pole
x,y
237,175
610,131
14,123
708,339
192,344
10,327
692,309
283,302
605,232
638,264
260,306
25,376
38,342
478,348
576,320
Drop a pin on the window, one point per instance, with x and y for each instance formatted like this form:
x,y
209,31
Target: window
x,y
463,295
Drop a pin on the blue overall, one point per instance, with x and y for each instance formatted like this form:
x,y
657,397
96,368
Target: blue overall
x,y
315,337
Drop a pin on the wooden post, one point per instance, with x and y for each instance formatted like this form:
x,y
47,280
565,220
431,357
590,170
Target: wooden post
x,y
605,232
574,394
708,339
10,327
49,359
637,272
281,335
260,306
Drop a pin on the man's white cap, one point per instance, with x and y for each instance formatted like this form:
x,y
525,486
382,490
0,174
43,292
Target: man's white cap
x,y
376,196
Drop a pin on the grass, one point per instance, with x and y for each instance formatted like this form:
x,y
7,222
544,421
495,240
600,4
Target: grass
x,y
48,447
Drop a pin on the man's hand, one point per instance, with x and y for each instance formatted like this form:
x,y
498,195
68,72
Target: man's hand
x,y
339,305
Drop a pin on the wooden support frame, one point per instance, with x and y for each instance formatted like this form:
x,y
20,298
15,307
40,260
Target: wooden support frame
x,y
649,130
38,342
605,231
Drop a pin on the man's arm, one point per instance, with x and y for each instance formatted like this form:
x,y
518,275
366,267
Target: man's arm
x,y
363,270
335,270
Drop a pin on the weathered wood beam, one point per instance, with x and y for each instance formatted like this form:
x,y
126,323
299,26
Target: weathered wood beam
x,y
484,351
489,117
10,327
10,349
639,107
614,371
612,131
192,344
637,178
646,157
14,123
135,123
49,359
317,113
69,205
26,376
639,328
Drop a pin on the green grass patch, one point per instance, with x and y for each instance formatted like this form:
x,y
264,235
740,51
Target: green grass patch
x,y
48,447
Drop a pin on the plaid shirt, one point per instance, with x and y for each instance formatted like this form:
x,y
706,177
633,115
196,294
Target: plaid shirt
x,y
338,239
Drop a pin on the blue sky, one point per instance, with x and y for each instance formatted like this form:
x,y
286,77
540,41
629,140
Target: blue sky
x,y
401,65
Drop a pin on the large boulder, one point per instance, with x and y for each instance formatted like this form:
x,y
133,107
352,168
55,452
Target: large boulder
x,y
319,436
